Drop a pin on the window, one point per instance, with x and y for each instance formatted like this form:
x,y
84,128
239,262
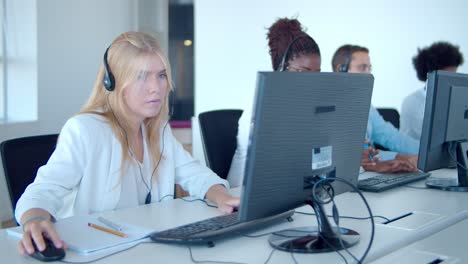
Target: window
x,y
181,57
18,61
2,61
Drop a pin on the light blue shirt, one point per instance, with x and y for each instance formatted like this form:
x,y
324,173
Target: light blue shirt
x,y
384,133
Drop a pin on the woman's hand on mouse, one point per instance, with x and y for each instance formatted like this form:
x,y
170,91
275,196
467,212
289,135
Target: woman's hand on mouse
x,y
37,224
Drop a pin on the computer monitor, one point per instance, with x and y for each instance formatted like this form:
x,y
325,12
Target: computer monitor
x,y
305,126
444,136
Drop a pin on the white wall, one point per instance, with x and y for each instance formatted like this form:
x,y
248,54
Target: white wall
x,y
231,46
72,37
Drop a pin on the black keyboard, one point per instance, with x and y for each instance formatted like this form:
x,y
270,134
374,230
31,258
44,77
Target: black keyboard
x,y
384,182
191,229
208,230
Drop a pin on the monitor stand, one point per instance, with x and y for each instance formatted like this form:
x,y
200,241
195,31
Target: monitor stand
x,y
454,185
310,239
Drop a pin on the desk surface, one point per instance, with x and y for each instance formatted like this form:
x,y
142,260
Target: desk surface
x,y
449,245
434,211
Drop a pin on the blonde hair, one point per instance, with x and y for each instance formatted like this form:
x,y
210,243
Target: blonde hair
x,y
124,58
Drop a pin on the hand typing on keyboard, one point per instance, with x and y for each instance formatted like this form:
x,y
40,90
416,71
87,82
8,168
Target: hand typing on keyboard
x,y
392,166
226,203
413,159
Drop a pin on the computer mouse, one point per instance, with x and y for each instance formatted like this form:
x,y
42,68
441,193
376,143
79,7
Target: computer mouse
x,y
50,253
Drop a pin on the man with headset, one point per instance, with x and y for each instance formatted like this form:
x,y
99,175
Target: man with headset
x,y
403,150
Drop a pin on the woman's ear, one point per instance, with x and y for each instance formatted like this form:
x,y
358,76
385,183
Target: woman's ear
x,y
124,93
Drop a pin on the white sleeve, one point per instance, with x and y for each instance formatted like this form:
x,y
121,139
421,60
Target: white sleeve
x,y
236,172
60,175
190,174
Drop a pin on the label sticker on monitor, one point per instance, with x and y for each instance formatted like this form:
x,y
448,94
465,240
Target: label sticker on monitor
x,y
321,157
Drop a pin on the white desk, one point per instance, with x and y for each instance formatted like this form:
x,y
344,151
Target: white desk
x,y
435,211
448,244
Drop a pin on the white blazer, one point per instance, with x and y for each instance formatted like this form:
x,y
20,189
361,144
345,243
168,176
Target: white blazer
x,y
83,174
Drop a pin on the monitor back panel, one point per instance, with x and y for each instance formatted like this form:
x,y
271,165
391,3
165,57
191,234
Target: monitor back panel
x,y
304,125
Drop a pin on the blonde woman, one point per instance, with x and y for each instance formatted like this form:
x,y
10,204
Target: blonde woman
x,y
118,151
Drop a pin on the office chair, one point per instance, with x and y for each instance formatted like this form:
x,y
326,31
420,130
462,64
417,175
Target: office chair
x,y
219,136
391,115
21,158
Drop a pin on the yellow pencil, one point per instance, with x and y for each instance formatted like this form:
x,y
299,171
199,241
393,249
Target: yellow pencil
x,y
117,233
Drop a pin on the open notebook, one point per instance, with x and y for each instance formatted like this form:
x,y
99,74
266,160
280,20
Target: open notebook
x,y
85,240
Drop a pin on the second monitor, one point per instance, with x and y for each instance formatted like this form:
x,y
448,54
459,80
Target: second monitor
x,y
305,127
444,137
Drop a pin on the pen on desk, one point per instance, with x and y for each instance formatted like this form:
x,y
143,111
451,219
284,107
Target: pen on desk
x,y
436,261
110,223
397,218
104,229
365,146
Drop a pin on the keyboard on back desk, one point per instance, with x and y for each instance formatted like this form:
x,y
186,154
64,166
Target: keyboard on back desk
x,y
384,182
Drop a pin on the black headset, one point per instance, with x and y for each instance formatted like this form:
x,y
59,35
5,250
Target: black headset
x,y
285,54
345,67
108,80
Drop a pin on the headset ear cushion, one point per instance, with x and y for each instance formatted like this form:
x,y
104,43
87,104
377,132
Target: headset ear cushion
x,y
343,68
109,81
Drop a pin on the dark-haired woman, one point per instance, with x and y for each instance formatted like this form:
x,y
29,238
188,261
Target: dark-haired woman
x,y
303,55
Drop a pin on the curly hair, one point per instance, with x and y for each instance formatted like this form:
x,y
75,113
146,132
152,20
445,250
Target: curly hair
x,y
438,56
281,33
